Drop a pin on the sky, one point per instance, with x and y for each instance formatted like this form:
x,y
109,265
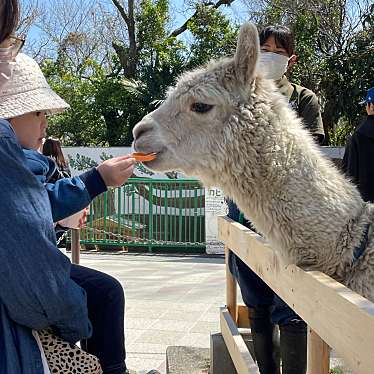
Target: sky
x,y
235,12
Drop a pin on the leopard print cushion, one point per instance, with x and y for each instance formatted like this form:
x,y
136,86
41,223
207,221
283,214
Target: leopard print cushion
x,y
67,358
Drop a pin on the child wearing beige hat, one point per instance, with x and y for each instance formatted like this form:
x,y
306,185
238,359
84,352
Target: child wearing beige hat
x,y
39,286
25,102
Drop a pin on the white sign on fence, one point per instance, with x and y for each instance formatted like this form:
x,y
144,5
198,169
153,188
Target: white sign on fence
x,y
215,205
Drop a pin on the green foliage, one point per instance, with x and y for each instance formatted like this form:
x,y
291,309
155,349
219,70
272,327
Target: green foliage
x,y
105,105
82,162
334,60
349,73
306,71
122,106
339,134
83,124
337,370
103,109
214,35
161,58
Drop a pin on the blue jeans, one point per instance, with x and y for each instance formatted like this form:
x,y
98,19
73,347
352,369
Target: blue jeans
x,y
106,308
255,292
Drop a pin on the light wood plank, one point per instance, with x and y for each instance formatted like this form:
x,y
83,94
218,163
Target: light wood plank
x,y
231,288
236,346
242,313
75,246
318,354
342,318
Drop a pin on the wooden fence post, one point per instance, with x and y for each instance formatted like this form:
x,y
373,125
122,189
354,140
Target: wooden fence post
x,y
231,288
75,246
318,354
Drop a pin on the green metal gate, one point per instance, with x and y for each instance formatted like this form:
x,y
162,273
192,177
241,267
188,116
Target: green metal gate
x,y
148,213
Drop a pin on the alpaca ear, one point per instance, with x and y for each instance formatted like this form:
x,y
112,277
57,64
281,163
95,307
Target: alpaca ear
x,y
247,51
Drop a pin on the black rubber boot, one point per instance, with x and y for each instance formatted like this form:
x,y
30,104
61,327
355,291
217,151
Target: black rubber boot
x,y
293,347
265,340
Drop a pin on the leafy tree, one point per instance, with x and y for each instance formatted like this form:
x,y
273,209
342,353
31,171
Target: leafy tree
x,y
108,99
113,61
103,108
83,124
334,44
351,73
161,57
213,35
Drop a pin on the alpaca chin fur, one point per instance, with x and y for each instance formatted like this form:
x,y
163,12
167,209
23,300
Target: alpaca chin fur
x,y
253,146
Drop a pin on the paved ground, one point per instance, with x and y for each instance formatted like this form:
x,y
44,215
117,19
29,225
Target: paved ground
x,y
170,300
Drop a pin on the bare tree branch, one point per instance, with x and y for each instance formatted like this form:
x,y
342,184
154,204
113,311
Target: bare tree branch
x,y
183,28
128,59
121,11
30,13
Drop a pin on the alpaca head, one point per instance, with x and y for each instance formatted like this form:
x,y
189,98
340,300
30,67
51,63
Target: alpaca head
x,y
191,129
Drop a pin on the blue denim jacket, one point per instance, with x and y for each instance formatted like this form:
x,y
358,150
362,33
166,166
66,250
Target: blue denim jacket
x,y
67,195
35,286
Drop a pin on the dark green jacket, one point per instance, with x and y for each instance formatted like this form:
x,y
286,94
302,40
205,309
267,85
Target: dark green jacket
x,y
305,103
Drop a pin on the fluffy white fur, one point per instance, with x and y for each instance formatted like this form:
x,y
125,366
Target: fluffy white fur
x,y
252,145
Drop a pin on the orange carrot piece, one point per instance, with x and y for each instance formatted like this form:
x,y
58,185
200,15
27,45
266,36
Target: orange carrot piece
x,y
139,156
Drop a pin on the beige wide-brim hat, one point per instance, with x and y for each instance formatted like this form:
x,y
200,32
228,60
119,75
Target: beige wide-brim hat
x,y
27,91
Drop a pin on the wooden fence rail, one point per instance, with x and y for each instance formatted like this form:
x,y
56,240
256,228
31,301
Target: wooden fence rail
x,y
337,317
75,246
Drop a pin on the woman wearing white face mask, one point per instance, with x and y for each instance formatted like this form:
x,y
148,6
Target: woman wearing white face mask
x,y
9,44
277,56
267,310
274,65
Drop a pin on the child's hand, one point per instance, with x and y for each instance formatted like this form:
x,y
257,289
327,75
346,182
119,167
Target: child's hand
x,y
117,170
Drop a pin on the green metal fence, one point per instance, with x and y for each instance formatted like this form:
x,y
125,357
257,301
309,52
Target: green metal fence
x,y
148,213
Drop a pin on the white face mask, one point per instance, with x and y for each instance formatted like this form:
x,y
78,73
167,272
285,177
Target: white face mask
x,y
272,65
7,62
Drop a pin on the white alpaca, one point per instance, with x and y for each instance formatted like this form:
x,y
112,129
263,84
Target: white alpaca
x,y
231,128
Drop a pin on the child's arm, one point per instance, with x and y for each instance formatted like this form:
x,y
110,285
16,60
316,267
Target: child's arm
x,y
70,195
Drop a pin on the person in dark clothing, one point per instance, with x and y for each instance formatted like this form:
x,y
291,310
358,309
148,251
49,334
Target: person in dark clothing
x,y
266,309
276,58
358,160
52,148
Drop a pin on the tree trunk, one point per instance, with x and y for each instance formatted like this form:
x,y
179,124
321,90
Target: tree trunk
x,y
128,59
329,117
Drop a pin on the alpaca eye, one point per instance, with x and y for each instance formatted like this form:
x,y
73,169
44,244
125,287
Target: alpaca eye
x,y
201,107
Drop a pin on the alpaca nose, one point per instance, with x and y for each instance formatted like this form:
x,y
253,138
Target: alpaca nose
x,y
140,129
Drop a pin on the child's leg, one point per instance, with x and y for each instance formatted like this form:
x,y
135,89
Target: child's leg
x,y
106,304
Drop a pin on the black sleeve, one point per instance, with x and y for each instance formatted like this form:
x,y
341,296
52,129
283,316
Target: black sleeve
x,y
56,175
351,163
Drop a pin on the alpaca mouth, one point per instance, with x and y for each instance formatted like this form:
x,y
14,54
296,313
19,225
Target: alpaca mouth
x,y
158,155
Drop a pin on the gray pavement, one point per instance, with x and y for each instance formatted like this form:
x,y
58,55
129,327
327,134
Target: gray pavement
x,y
170,300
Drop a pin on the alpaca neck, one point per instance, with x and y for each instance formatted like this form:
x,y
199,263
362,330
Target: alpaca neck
x,y
289,190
